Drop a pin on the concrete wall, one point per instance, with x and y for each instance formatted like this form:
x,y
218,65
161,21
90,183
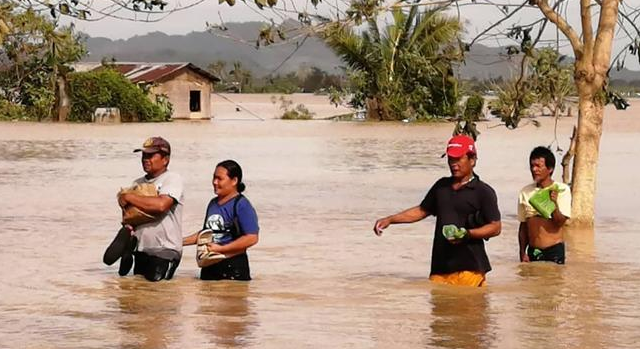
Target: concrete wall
x,y
178,90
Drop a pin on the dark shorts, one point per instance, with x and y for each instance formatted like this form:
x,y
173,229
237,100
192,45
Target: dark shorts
x,y
553,253
234,268
154,268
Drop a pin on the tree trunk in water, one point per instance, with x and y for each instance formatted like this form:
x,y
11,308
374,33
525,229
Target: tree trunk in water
x,y
585,163
62,99
566,159
375,109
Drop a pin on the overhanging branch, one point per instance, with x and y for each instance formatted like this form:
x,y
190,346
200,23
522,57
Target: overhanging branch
x,y
604,38
587,27
563,25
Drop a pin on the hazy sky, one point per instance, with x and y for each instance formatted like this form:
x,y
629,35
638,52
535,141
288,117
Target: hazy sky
x,y
477,17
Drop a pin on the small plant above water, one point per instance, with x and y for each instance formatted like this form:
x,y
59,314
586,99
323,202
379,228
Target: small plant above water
x,y
300,112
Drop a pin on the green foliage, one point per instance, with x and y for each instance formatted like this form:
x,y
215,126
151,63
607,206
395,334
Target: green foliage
x,y
335,97
279,84
300,112
549,84
513,102
318,80
166,108
473,108
108,88
305,80
12,111
36,54
405,71
466,123
551,79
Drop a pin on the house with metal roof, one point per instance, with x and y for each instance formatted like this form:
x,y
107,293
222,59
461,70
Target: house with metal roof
x,y
187,87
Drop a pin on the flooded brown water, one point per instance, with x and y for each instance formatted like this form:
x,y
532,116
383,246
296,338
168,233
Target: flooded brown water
x,y
321,277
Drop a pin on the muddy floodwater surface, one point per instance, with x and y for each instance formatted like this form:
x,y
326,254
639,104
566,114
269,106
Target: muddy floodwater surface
x,y
321,278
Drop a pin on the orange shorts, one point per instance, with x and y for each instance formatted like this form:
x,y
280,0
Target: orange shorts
x,y
461,278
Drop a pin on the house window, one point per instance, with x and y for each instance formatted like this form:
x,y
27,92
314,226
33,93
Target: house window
x,y
194,101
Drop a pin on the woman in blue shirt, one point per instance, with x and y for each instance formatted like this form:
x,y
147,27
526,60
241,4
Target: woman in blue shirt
x,y
233,222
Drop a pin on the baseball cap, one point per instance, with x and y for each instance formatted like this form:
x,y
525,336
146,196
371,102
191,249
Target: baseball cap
x,y
154,145
460,145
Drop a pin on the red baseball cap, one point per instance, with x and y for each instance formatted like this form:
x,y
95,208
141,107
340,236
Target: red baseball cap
x,y
460,145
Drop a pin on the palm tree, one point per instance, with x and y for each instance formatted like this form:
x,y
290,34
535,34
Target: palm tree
x,y
405,71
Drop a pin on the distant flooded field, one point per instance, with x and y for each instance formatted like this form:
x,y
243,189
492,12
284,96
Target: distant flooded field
x,y
321,277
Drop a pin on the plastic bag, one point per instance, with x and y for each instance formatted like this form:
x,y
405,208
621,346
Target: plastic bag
x,y
541,200
452,232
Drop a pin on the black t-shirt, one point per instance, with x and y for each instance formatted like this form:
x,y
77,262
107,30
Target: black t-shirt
x,y
454,207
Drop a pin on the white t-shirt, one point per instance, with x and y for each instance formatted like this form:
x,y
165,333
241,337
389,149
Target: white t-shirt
x,y
157,237
525,210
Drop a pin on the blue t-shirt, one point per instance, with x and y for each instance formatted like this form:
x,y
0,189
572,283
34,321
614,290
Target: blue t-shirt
x,y
220,219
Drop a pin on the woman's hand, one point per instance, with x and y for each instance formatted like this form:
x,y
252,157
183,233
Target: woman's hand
x,y
213,247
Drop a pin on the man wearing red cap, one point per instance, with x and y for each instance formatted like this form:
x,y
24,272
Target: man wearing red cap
x,y
158,242
467,214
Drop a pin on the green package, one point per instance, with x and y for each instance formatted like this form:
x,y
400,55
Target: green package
x,y
451,232
541,200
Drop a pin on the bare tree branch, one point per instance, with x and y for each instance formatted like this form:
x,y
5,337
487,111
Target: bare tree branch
x,y
587,27
563,25
499,22
606,27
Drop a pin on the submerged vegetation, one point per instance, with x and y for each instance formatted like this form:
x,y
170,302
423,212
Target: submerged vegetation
x,y
402,71
107,87
37,81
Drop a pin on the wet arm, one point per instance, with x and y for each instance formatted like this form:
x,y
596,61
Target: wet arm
x,y
190,240
486,231
411,215
148,204
523,240
558,218
237,246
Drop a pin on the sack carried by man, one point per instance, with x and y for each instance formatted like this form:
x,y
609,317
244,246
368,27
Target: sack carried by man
x,y
132,215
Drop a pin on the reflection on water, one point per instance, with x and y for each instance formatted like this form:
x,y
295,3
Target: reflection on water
x,y
460,318
148,315
321,278
223,312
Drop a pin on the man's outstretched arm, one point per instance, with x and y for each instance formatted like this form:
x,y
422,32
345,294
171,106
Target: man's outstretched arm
x,y
410,215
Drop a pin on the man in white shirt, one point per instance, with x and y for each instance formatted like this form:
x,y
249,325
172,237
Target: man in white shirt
x,y
157,244
540,238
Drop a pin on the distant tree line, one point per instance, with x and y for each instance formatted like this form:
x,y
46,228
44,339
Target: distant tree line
x,y
237,79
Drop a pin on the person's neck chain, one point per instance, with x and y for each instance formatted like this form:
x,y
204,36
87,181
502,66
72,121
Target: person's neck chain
x,y
468,180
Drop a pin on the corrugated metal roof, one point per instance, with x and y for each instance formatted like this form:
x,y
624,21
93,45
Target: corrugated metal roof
x,y
148,72
139,72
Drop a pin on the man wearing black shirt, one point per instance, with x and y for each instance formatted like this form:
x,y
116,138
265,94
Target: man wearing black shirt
x,y
466,211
